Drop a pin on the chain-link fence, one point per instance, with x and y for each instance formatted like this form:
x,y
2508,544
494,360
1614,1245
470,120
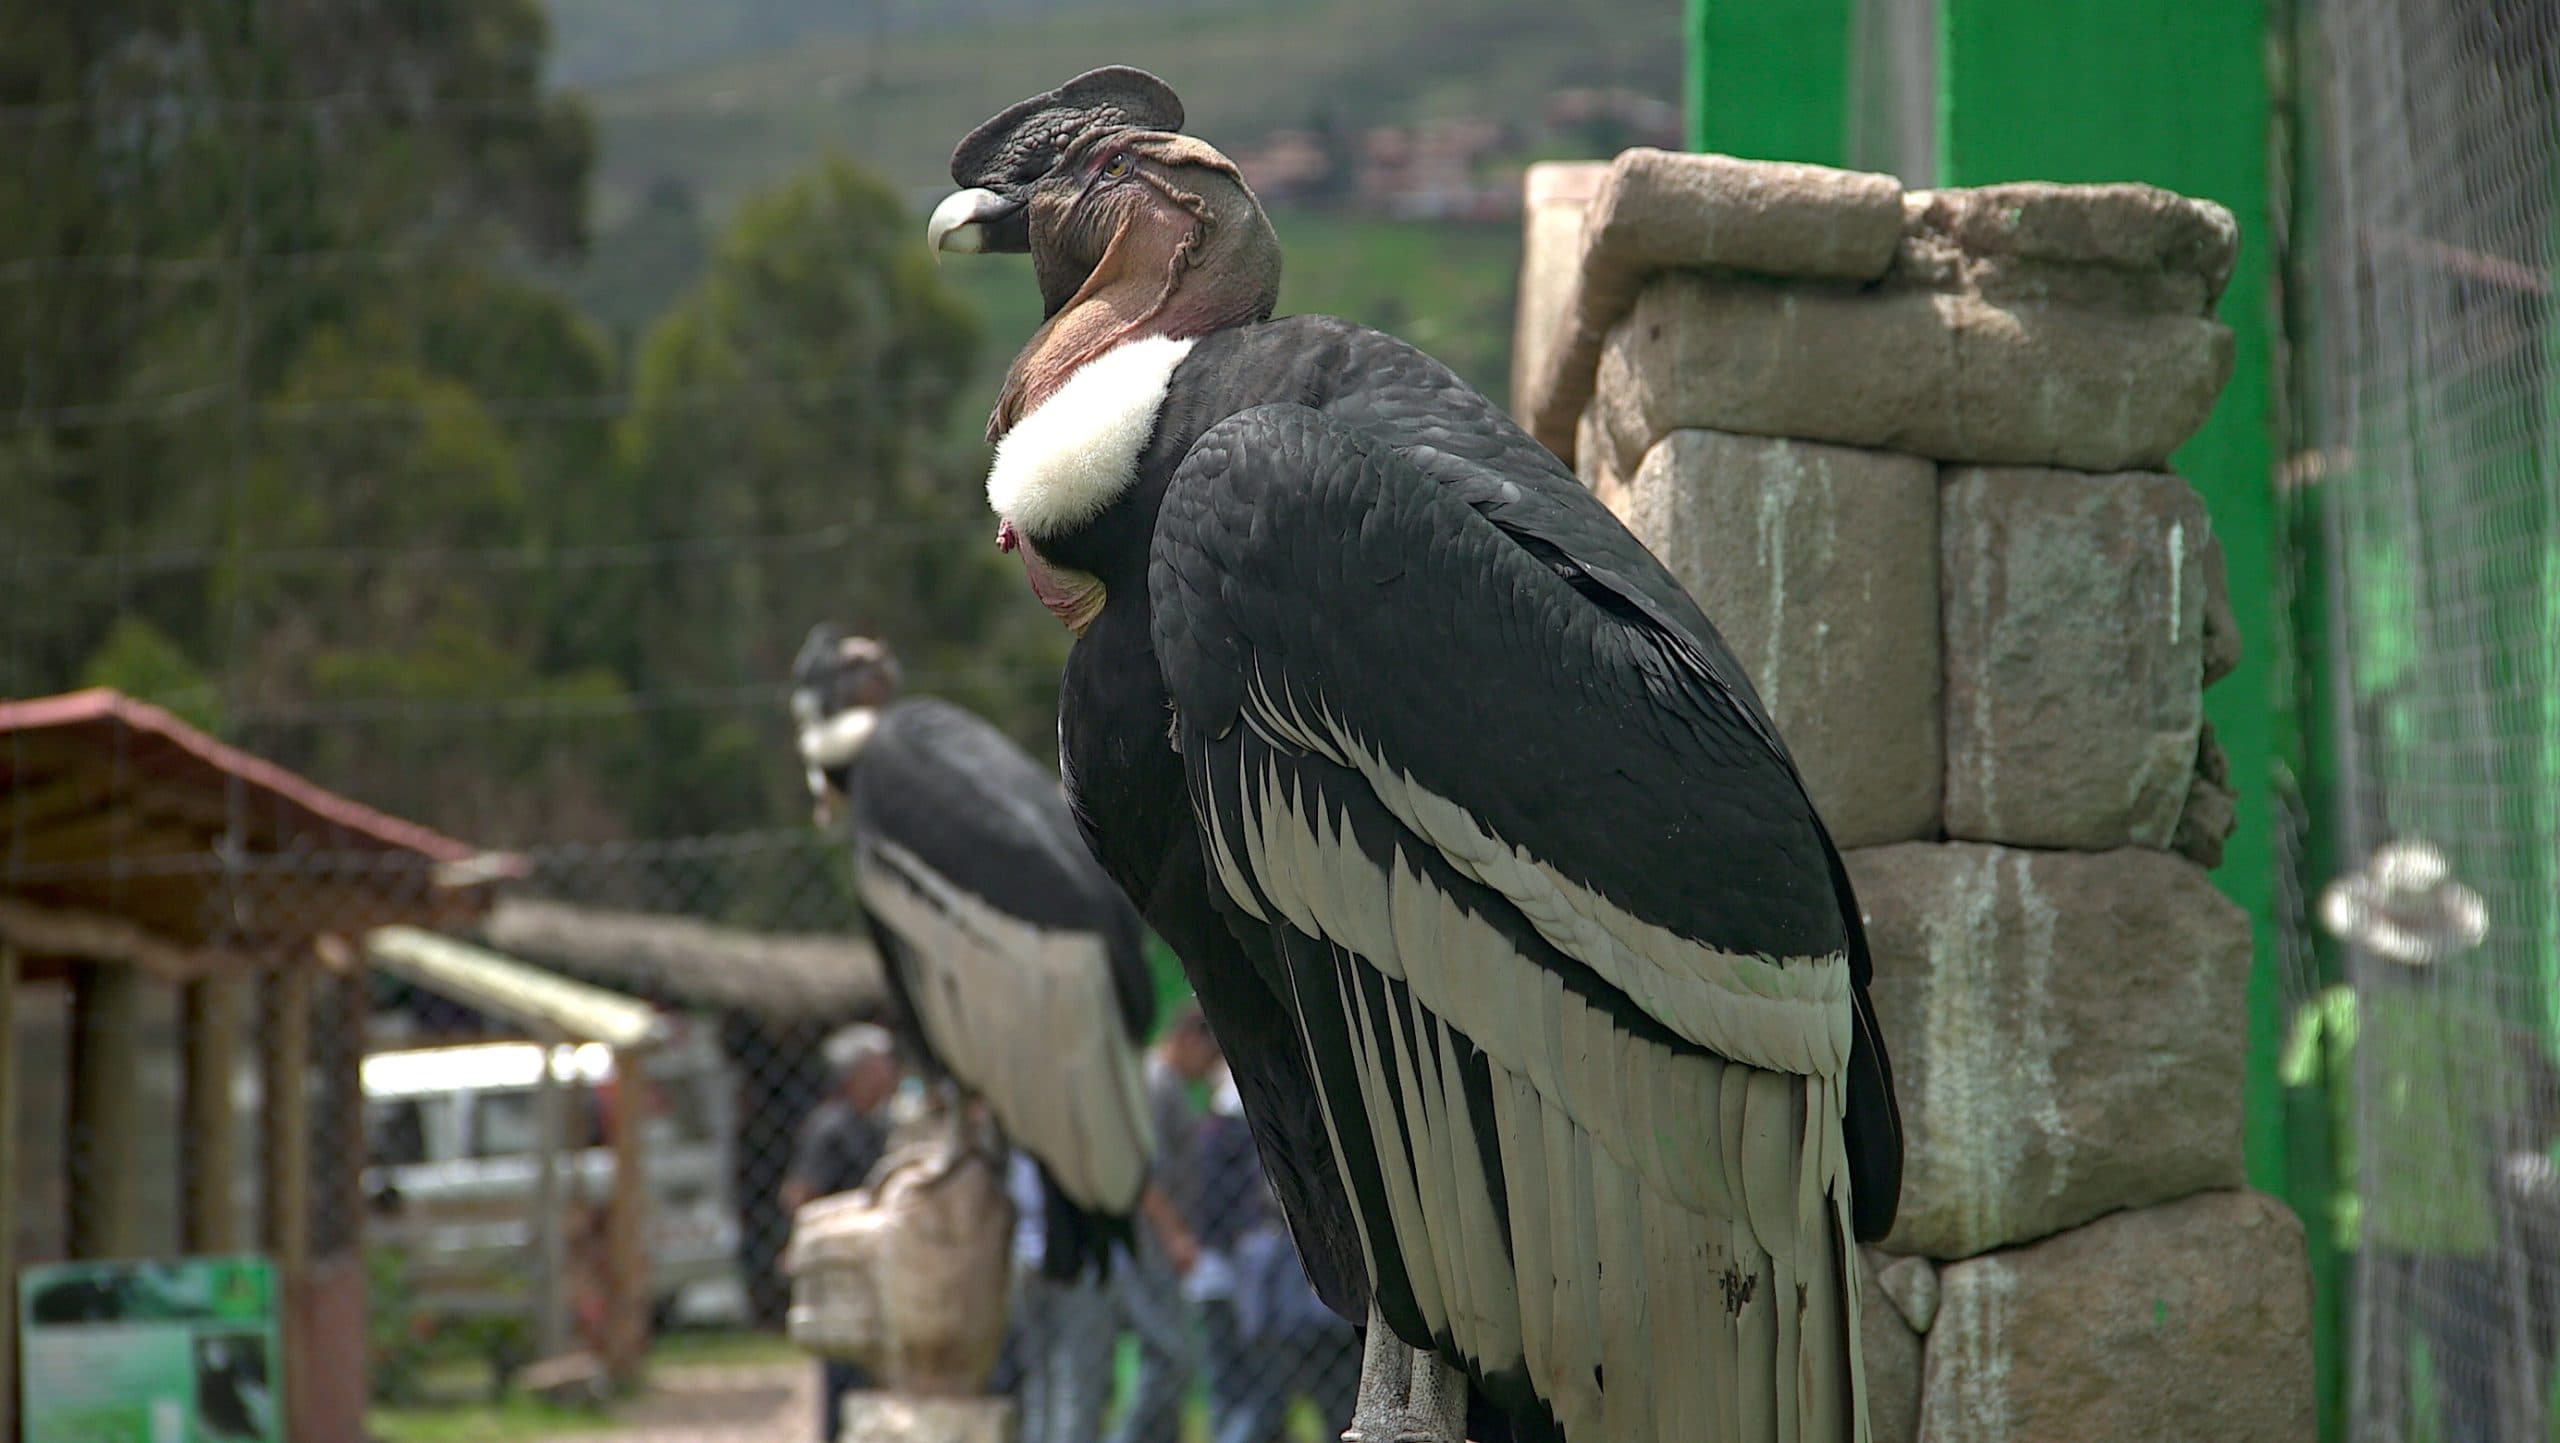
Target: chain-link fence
x,y
2428,411
452,417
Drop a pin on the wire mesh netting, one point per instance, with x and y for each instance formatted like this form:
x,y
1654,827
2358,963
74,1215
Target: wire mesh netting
x,y
2422,344
466,409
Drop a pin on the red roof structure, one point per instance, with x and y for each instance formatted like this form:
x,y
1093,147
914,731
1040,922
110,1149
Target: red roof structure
x,y
125,832
136,851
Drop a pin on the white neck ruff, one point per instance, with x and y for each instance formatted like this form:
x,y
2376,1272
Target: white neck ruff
x,y
1060,466
838,739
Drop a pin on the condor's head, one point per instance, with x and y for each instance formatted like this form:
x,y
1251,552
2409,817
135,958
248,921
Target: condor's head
x,y
1134,229
839,683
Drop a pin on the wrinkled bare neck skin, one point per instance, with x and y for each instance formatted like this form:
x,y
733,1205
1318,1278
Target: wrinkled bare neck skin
x,y
1183,263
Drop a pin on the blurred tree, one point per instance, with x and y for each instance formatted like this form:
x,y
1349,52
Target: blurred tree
x,y
637,265
138,660
197,189
296,435
797,390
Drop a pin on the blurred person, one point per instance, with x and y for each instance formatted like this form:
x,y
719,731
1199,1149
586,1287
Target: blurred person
x,y
2529,1188
1227,1188
1059,1344
845,1135
1307,1351
1270,1338
2430,1105
1150,1289
841,1140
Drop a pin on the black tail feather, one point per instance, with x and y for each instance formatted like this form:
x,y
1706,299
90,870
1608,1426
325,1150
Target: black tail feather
x,y
1077,1242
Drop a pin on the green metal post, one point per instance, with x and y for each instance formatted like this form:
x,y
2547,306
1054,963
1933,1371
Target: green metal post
x,y
1770,80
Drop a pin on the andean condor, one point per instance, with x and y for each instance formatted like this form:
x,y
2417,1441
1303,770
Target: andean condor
x,y
1016,966
1542,981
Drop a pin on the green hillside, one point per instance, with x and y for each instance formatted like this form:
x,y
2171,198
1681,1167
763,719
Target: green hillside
x,y
1446,287
1244,67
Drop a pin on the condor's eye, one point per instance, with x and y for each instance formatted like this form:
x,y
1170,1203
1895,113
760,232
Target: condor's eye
x,y
1116,168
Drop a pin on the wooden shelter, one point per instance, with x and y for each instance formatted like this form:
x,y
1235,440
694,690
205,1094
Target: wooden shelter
x,y
138,852
557,1012
776,995
683,962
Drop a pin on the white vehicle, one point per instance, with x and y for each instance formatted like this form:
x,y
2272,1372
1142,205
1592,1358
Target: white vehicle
x,y
454,1138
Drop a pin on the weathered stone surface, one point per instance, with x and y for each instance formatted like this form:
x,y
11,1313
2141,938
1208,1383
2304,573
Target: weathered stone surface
x,y
1597,465
1891,1350
1934,256
2211,811
2063,1029
1912,1284
2128,228
2074,635
1553,196
1947,375
2222,641
910,1418
1818,565
2189,1321
1658,210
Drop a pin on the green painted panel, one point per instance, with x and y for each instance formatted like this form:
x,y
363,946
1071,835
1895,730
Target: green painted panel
x,y
1770,80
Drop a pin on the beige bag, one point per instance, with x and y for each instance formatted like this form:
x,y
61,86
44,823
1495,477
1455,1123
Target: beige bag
x,y
907,1275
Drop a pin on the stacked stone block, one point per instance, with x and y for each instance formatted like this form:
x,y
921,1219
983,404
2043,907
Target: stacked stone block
x,y
1908,449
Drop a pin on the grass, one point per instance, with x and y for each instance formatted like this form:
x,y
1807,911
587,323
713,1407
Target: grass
x,y
722,1348
519,1418
513,1420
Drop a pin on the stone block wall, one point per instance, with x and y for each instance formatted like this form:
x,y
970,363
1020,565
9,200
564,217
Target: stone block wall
x,y
1909,451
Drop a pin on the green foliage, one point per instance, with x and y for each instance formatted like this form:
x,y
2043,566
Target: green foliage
x,y
800,389
138,660
308,441
327,428
147,322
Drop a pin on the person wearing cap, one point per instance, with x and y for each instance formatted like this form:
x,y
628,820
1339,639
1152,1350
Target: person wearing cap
x,y
2438,1136
841,1140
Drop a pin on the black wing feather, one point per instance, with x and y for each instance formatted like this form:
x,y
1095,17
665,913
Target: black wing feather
x,y
1668,793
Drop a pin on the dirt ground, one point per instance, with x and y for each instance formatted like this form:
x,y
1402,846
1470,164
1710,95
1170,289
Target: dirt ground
x,y
719,1403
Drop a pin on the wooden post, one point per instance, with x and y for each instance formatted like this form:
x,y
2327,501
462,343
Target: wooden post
x,y
338,1018
550,1242
627,1222
286,1221
106,1025
208,1136
285,1158
8,1190
333,1355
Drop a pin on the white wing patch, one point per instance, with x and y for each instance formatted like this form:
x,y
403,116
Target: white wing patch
x,y
1026,1018
1679,1256
1073,455
1791,1014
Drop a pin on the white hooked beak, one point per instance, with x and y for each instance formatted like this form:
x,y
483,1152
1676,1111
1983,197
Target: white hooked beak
x,y
957,222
